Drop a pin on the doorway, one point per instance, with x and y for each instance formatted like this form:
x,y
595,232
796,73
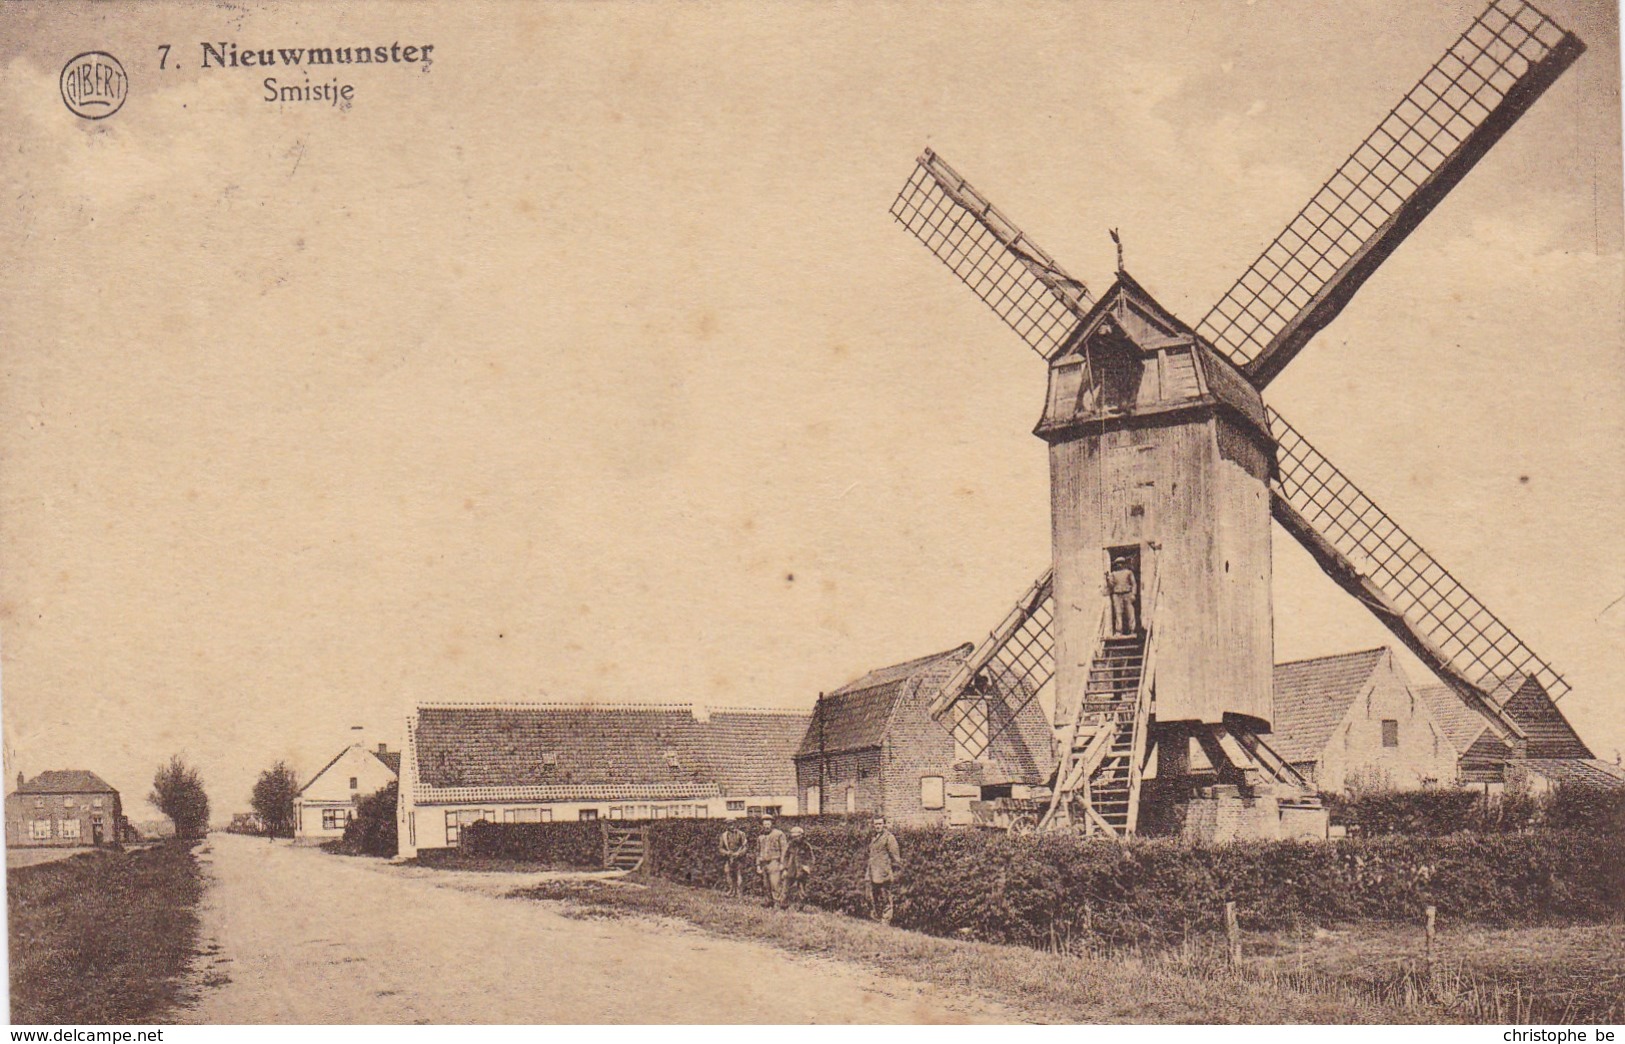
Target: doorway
x,y
1129,557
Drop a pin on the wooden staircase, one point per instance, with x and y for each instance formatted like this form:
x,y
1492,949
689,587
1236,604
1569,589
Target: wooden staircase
x,y
1097,783
625,847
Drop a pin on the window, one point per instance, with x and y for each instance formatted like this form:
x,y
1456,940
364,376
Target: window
x,y
931,792
851,799
354,783
70,829
67,802
701,812
736,806
754,811
335,818
587,814
39,830
811,808
39,802
1390,732
773,810
455,821
521,815
96,804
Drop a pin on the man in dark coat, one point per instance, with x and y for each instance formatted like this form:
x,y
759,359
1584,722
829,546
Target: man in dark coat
x,y
798,868
885,866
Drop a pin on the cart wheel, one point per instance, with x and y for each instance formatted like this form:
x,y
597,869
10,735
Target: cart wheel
x,y
1022,825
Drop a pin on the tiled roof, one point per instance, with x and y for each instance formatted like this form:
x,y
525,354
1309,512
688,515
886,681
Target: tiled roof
x,y
1548,733
66,781
854,716
542,745
391,760
752,752
1589,772
1313,696
560,752
1461,724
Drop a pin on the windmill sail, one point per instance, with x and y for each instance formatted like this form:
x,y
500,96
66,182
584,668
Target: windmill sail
x,y
1369,555
1427,143
1017,658
1023,285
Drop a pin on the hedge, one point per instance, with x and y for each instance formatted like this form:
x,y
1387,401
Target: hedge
x,y
1451,810
573,844
1058,890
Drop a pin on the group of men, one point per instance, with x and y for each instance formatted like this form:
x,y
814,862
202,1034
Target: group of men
x,y
784,865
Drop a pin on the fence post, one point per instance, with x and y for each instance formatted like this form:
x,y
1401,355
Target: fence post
x,y
1232,931
1428,953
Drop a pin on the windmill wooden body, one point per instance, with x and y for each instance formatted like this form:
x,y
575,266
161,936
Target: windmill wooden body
x,y
1166,467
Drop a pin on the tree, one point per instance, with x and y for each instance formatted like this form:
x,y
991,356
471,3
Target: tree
x,y
273,799
177,791
372,831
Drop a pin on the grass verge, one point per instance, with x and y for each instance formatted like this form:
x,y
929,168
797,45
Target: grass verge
x,y
104,937
1190,985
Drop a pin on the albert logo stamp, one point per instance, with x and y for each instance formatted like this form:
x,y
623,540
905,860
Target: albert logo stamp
x,y
94,85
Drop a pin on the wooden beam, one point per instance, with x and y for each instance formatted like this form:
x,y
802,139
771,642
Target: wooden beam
x,y
1340,289
1349,578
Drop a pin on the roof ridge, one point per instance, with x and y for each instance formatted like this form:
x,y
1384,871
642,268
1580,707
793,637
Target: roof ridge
x,y
1335,656
550,705
759,710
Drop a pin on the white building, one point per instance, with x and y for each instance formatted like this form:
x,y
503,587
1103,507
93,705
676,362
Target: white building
x,y
327,801
529,762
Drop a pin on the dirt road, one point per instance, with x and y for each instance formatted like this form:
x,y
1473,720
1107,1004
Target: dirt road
x,y
299,936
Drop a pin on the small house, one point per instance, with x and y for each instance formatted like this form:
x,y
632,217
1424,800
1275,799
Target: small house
x,y
1553,752
63,808
539,762
326,803
872,746
1354,720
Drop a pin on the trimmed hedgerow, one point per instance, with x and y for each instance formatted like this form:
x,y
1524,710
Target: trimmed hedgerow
x,y
571,843
1059,890
1452,810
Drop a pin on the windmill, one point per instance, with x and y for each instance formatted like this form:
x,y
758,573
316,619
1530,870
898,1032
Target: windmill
x,y
1166,467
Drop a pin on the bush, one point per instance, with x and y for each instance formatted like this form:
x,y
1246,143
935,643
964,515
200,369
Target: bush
x,y
1435,813
573,844
373,831
1060,891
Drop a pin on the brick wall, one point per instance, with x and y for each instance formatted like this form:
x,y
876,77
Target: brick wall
x,y
916,747
858,771
73,819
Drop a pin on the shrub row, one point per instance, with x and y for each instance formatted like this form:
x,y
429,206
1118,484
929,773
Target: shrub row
x,y
1059,891
1450,810
573,844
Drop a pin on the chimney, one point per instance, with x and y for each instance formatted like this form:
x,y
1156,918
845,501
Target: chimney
x,y
383,748
20,781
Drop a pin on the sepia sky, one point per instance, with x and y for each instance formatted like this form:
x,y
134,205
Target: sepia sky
x,y
587,363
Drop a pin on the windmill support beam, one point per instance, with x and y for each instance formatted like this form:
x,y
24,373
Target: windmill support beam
x,y
1325,305
1344,573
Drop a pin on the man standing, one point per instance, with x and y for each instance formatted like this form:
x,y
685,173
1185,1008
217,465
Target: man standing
x,y
732,845
885,867
1122,586
798,866
770,854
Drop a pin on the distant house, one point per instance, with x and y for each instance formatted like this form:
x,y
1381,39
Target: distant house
x,y
326,803
872,746
63,808
1553,752
530,762
1355,719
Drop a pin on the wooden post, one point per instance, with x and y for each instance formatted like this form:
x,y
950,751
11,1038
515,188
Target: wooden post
x,y
1233,932
1428,952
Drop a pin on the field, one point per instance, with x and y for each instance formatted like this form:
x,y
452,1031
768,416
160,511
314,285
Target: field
x,y
103,937
1374,975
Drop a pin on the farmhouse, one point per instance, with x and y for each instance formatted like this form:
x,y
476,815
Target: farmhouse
x,y
326,803
1355,720
872,746
530,762
1553,752
63,808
